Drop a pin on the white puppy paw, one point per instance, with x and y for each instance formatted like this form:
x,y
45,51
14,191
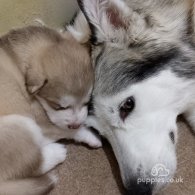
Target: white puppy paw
x,y
85,135
53,154
94,142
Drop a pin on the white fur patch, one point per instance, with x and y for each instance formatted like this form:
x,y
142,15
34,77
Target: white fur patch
x,y
53,154
80,29
122,6
85,135
143,139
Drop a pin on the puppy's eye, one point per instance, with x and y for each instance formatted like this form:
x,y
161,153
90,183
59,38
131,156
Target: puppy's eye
x,y
56,106
127,107
62,108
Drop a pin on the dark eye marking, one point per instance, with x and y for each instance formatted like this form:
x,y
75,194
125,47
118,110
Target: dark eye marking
x,y
126,107
172,137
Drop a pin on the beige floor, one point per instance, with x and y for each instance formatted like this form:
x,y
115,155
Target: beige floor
x,y
95,172
18,13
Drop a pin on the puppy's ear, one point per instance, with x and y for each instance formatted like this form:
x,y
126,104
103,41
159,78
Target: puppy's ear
x,y
105,17
35,77
79,28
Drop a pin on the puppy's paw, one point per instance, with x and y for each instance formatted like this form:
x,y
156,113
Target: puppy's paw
x,y
85,135
94,142
58,152
53,154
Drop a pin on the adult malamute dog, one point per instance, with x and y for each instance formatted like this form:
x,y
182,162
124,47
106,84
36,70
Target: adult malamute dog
x,y
144,63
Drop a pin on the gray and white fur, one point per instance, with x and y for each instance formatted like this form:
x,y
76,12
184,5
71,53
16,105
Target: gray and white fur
x,y
143,54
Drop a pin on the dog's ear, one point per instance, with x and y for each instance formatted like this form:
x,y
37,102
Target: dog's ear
x,y
79,28
35,77
105,17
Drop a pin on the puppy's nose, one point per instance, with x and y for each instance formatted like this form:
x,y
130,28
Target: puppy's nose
x,y
74,126
139,189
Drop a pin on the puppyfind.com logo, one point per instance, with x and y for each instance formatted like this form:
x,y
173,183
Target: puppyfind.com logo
x,y
160,174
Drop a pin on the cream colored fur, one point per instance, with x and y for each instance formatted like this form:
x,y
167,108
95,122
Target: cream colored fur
x,y
37,62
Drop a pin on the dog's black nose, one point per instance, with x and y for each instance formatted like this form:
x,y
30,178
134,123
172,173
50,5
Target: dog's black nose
x,y
135,188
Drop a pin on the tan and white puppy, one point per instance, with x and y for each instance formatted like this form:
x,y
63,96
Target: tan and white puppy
x,y
45,85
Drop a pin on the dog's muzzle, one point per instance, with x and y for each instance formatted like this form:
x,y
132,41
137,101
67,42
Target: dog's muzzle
x,y
139,189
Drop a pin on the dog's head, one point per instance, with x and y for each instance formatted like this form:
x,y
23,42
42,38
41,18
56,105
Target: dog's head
x,y
137,95
61,77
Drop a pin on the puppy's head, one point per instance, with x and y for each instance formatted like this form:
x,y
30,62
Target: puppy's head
x,y
61,78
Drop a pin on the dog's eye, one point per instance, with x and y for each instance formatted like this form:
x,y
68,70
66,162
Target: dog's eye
x,y
127,107
56,106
